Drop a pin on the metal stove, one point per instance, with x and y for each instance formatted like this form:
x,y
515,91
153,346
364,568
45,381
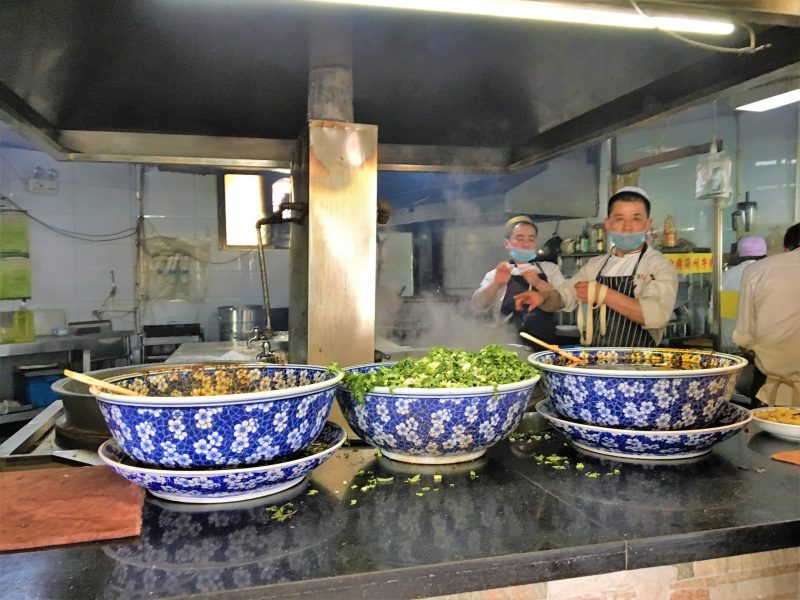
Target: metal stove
x,y
46,442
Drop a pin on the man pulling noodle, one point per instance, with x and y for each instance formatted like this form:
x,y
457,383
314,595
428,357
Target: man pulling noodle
x,y
626,297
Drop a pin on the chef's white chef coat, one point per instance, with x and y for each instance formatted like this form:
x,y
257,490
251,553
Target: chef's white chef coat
x,y
768,323
655,285
554,278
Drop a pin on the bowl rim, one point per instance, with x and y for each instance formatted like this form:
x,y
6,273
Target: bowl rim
x,y
739,363
767,425
198,401
449,391
650,432
103,452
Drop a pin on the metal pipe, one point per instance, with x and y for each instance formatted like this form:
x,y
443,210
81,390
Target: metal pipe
x,y
716,275
262,263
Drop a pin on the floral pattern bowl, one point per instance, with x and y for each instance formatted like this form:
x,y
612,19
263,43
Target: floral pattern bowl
x,y
635,388
435,425
229,484
646,444
191,416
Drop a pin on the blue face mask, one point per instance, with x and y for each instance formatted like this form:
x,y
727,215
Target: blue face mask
x,y
521,255
627,241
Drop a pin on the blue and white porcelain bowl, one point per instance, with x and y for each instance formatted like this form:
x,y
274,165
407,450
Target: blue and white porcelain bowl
x,y
228,484
641,388
191,416
436,425
653,445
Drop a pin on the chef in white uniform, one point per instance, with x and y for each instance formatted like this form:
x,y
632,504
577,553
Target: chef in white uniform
x,y
768,322
750,248
522,271
635,285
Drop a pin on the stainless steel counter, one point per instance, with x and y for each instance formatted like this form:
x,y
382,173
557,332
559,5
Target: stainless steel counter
x,y
104,345
91,342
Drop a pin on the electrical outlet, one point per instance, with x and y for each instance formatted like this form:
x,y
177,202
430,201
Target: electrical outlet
x,y
42,186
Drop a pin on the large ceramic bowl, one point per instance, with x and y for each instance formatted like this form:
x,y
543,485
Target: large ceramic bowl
x,y
636,388
645,444
191,416
229,484
436,425
784,431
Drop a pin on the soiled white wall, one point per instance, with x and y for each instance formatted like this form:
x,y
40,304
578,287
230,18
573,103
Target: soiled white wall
x,y
100,198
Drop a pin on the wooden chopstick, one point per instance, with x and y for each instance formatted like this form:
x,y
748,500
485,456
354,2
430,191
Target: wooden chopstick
x,y
554,348
89,380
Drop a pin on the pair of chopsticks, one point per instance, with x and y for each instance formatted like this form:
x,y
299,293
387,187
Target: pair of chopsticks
x,y
571,357
89,380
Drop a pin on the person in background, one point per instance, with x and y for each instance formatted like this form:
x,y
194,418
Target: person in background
x,y
768,323
521,272
636,283
749,249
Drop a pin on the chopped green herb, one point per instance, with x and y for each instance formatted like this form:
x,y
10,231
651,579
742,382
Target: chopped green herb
x,y
580,466
426,489
437,478
420,494
353,502
383,480
473,475
312,492
281,513
442,367
414,479
452,485
593,475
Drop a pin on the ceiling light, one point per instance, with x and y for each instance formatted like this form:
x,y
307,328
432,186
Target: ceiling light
x,y
551,11
772,102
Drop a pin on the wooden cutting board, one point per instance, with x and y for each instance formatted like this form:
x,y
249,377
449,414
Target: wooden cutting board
x,y
51,507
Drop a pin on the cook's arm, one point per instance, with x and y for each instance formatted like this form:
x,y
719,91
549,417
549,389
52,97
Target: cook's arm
x,y
657,297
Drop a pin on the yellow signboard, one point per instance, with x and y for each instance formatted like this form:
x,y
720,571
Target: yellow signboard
x,y
691,263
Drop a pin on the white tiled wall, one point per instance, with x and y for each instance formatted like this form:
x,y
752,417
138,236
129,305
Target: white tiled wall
x,y
101,198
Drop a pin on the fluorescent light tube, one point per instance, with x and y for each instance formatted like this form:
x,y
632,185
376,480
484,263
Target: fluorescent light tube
x,y
550,11
772,102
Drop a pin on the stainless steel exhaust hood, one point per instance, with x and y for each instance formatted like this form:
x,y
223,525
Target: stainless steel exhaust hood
x,y
226,83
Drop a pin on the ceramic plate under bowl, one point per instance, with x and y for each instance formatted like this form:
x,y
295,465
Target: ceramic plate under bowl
x,y
645,444
641,388
228,484
784,431
217,415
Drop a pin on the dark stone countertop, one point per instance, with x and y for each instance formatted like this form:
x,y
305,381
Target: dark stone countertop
x,y
502,520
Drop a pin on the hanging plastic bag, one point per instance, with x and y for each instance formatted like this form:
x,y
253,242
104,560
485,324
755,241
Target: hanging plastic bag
x,y
713,175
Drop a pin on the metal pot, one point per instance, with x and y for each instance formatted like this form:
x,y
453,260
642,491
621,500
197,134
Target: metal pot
x,y
80,408
237,322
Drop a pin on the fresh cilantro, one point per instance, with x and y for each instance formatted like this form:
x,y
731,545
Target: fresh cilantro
x,y
443,367
281,513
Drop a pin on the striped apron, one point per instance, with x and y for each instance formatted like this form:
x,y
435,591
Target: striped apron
x,y
537,323
621,332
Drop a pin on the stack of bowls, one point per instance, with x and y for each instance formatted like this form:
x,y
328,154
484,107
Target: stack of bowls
x,y
643,403
219,433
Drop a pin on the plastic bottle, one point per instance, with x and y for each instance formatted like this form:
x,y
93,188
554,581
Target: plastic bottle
x,y
23,325
670,239
584,238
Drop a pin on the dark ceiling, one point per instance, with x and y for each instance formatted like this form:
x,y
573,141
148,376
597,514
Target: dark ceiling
x,y
239,69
